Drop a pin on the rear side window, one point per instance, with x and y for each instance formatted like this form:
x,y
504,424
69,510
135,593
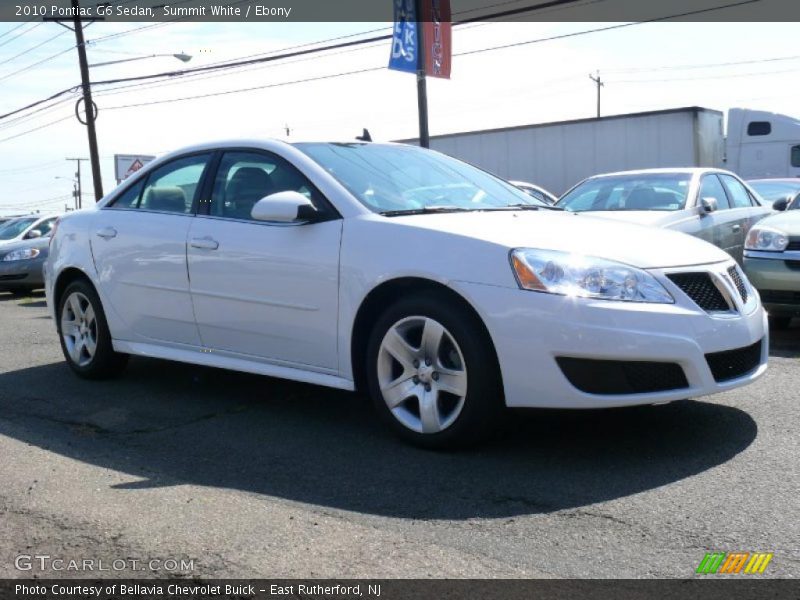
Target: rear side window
x,y
759,128
130,197
712,188
738,194
172,187
796,156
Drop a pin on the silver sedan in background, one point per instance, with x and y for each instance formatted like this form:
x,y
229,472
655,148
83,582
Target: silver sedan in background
x,y
711,204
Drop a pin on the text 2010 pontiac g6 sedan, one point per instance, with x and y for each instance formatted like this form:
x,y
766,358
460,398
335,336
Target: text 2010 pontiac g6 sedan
x,y
442,291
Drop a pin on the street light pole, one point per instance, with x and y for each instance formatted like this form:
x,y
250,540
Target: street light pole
x,y
91,113
78,176
600,84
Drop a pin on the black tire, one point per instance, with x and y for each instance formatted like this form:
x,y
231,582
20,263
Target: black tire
x,y
483,402
104,363
779,323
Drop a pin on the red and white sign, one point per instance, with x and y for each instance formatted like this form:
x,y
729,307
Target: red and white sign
x,y
126,165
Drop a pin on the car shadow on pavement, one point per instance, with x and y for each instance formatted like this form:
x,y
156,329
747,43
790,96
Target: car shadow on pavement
x,y
167,424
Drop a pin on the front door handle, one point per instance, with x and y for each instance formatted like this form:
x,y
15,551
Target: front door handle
x,y
204,243
107,233
737,228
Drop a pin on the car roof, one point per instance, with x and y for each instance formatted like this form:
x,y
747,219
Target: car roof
x,y
775,180
665,171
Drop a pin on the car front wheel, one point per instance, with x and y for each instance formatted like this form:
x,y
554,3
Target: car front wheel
x,y
432,373
83,331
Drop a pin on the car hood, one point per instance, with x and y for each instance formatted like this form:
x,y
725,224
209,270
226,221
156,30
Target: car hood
x,y
636,245
788,222
654,218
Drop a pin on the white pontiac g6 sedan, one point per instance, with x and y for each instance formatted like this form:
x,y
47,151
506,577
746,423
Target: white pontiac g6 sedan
x,y
441,291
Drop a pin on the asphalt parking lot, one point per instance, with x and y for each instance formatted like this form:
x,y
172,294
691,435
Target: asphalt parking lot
x,y
249,476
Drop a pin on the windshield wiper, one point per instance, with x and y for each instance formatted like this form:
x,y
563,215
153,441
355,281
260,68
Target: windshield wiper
x,y
426,210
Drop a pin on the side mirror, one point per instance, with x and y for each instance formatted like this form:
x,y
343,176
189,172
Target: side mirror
x,y
284,207
780,204
709,205
33,234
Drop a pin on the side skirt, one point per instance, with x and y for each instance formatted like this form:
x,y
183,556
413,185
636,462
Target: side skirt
x,y
215,359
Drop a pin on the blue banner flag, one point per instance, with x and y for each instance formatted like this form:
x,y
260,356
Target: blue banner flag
x,y
405,40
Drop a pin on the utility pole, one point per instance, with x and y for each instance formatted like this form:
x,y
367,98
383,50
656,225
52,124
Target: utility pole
x,y
600,84
88,105
422,86
79,197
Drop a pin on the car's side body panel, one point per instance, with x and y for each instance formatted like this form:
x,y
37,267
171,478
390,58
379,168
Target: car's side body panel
x,y
269,291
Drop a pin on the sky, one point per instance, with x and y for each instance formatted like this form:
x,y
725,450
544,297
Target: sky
x,y
646,66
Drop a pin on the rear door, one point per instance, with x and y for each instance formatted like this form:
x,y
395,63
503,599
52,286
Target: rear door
x,y
265,290
139,247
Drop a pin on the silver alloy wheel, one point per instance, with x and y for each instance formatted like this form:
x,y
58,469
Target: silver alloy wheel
x,y
422,374
79,329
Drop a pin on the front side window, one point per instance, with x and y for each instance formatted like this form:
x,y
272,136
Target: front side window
x,y
712,188
10,230
648,191
739,196
172,187
130,197
393,179
244,178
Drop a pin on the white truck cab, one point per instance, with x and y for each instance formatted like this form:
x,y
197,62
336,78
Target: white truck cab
x,y
762,144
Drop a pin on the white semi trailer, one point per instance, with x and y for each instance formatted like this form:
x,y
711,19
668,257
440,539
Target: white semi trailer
x,y
558,155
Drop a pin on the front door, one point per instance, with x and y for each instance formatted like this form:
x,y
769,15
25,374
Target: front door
x,y
265,290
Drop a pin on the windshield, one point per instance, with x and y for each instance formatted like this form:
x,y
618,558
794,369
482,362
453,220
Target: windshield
x,y
667,191
776,190
13,228
398,179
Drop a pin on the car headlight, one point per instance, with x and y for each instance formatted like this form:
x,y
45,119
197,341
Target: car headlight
x,y
21,254
766,239
585,276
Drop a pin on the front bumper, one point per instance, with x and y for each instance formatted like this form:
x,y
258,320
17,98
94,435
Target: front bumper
x,y
22,274
531,331
776,279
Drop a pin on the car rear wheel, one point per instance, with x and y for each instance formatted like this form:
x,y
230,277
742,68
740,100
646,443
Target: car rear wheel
x,y
432,373
83,331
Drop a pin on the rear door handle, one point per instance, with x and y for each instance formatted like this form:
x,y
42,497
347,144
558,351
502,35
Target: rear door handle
x,y
107,233
204,243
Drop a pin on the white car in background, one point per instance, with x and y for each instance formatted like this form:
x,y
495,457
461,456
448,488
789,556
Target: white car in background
x,y
536,191
712,204
26,228
369,266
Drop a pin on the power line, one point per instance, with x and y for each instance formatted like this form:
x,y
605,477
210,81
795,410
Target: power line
x,y
464,53
343,45
703,66
705,77
35,129
13,29
36,64
20,34
32,48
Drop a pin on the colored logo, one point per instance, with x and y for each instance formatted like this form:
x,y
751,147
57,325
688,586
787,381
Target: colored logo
x,y
734,562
